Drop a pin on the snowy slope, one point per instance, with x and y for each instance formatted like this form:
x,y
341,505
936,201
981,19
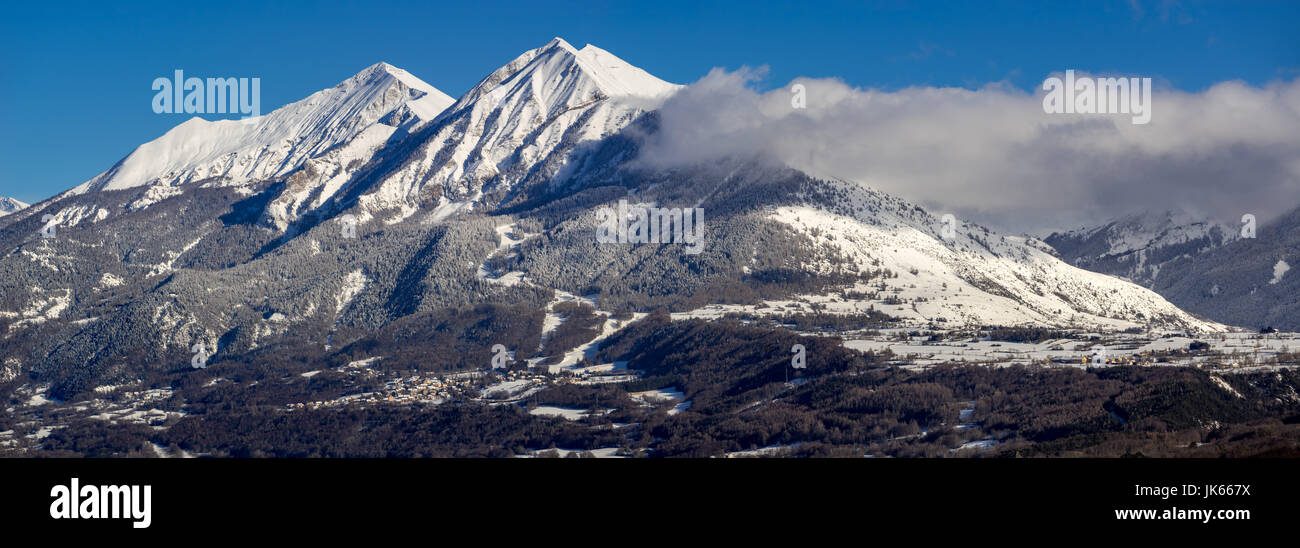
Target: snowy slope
x,y
542,103
974,275
1158,229
10,205
240,151
1248,282
1138,245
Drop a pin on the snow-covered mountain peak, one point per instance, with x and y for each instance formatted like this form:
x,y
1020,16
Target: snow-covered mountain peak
x,y
618,77
560,74
10,205
521,120
558,42
558,61
1138,245
1145,229
382,66
382,71
241,151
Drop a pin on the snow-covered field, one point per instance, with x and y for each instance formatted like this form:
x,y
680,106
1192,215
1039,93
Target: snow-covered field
x,y
654,397
600,453
768,451
1240,351
566,413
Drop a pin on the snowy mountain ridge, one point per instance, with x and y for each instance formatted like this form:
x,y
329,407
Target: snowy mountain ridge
x,y
10,205
243,241
530,112
1137,245
979,277
241,151
525,116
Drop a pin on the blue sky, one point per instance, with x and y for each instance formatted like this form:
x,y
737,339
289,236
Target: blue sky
x,y
75,78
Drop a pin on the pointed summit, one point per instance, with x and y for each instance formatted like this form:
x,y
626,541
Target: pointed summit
x,y
557,72
382,70
10,205
618,77
558,42
531,111
241,151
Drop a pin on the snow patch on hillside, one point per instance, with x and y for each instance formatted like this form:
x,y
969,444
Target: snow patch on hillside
x,y
1280,269
353,284
41,309
1218,381
153,195
109,280
163,268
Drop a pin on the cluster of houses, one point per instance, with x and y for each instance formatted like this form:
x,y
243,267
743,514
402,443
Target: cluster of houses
x,y
146,396
1134,359
412,389
444,387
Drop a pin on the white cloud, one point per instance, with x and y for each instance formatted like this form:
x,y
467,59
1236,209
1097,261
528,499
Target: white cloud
x,y
994,156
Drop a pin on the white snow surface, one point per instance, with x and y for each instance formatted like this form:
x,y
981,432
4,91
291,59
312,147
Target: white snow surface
x,y
543,102
566,413
353,284
1003,280
533,111
10,205
277,143
1280,269
975,277
652,397
1155,229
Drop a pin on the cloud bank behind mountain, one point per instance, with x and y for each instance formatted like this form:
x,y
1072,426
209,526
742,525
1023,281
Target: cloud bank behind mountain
x,y
993,155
